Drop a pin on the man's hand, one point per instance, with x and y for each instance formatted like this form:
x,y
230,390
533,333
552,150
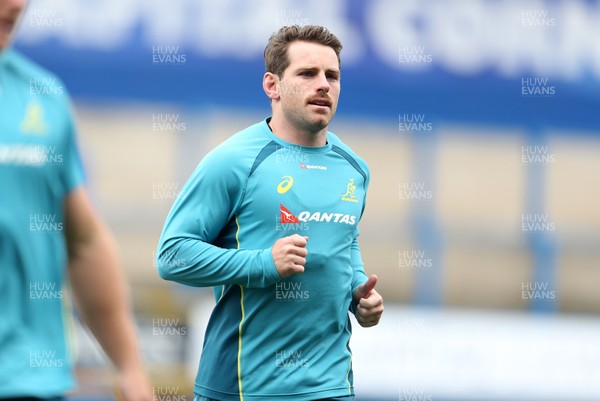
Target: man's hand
x,y
369,304
133,385
289,254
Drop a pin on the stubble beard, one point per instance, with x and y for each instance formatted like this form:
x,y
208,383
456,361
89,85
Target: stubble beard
x,y
305,121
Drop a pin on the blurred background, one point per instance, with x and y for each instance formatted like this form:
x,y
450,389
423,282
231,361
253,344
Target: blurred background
x,y
480,121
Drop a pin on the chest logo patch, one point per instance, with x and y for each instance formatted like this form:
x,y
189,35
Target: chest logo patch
x,y
33,122
349,196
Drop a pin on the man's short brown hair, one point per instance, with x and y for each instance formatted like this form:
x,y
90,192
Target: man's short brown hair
x,y
276,57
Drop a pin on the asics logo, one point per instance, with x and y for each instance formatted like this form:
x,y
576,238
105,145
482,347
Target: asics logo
x,y
285,184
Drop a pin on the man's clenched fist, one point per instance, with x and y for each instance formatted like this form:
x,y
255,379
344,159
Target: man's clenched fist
x,y
289,254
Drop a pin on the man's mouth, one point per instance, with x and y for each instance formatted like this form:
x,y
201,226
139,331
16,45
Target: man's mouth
x,y
6,25
320,102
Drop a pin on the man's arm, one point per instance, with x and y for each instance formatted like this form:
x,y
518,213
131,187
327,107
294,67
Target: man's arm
x,y
186,252
367,304
100,293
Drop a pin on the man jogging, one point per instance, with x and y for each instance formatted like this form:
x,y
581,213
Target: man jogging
x,y
269,219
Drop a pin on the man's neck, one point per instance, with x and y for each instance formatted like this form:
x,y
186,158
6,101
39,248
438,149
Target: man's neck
x,y
298,137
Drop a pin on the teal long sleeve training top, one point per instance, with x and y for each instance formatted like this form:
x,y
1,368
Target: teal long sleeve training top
x,y
268,338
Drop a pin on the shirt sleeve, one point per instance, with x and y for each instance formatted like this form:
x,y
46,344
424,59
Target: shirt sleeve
x,y
186,252
358,268
358,271
73,173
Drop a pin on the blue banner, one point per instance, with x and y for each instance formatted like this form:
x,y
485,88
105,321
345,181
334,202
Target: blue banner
x,y
530,63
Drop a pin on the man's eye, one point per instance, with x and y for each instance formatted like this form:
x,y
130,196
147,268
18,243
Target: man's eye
x,y
307,73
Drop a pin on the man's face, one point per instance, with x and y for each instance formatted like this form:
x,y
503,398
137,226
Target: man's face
x,y
9,13
310,86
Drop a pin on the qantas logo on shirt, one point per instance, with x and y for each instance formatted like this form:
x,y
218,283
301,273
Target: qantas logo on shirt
x,y
312,167
29,155
288,217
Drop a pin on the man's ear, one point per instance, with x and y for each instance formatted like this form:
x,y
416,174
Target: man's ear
x,y
271,85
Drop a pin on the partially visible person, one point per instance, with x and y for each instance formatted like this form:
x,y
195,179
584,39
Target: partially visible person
x,y
48,231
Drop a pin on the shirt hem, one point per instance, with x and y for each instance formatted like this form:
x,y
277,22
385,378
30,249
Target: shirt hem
x,y
310,396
